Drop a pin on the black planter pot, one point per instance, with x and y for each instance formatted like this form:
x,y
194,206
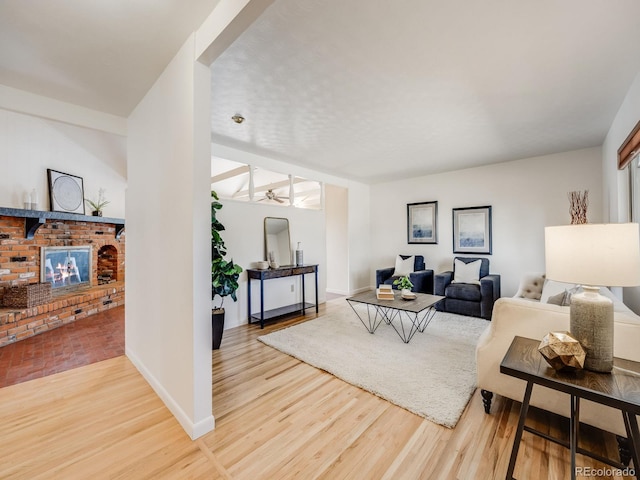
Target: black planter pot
x,y
217,324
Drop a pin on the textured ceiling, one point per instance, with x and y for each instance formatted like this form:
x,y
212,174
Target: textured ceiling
x,y
381,90
100,54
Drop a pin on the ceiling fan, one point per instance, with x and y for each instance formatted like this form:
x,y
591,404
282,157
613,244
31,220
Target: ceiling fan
x,y
271,195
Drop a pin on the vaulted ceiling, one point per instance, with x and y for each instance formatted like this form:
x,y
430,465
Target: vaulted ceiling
x,y
365,90
100,54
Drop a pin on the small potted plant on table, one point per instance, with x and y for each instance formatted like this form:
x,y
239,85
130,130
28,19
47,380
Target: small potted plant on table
x,y
405,285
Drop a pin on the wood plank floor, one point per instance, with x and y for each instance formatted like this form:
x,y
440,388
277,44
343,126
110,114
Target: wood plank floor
x,y
276,418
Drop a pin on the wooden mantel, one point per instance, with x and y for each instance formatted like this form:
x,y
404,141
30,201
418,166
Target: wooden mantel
x,y
33,219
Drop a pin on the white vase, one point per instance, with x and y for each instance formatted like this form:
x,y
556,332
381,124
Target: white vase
x,y
406,292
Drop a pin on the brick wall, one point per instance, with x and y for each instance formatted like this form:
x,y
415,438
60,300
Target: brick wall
x,y
20,264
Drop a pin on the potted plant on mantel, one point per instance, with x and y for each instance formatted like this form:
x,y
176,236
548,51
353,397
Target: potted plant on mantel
x,y
224,275
98,205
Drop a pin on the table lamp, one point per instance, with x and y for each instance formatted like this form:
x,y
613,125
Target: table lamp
x,y
593,255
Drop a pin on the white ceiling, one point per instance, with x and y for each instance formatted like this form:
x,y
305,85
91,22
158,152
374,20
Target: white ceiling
x,y
380,90
361,89
100,54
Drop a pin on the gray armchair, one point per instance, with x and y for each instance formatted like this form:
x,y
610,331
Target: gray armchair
x,y
422,279
468,298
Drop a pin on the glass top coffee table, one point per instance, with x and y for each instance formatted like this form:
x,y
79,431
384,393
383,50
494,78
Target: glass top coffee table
x,y
405,316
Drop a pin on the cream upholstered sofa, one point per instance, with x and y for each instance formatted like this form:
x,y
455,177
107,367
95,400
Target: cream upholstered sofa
x,y
534,318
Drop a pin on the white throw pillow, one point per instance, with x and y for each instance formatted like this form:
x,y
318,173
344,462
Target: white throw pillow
x,y
466,272
404,266
552,288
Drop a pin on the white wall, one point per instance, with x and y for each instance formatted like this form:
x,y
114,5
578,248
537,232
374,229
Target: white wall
x,y
336,207
168,328
525,195
29,145
616,198
361,232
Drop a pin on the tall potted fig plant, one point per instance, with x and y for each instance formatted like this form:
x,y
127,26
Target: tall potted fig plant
x,y
224,275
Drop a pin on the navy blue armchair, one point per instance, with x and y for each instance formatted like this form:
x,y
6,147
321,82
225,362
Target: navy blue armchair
x,y
468,298
422,279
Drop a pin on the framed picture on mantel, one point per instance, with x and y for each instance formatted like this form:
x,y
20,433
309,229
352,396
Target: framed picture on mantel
x,y
66,192
422,224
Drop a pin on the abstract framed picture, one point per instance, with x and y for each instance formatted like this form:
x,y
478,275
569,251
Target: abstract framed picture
x,y
66,192
472,230
422,222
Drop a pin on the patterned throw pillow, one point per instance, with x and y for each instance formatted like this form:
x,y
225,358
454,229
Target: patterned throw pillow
x,y
563,299
551,288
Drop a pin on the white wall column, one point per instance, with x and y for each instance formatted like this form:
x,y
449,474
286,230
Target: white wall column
x,y
168,316
167,332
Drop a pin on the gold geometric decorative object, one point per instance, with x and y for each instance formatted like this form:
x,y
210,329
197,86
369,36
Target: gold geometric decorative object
x,y
562,351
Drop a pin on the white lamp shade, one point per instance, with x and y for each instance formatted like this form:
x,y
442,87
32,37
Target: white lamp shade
x,y
594,254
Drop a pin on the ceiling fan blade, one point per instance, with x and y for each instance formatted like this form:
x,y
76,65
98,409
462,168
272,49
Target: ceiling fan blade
x,y
277,199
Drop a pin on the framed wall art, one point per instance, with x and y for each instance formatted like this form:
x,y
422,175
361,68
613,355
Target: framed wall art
x,y
422,222
66,192
472,230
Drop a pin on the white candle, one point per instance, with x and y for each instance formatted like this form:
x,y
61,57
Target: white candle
x,y
26,200
34,199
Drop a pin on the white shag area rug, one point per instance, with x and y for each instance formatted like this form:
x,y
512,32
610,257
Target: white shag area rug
x,y
434,375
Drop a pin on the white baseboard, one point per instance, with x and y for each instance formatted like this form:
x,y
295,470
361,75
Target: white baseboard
x,y
360,290
194,430
336,291
347,292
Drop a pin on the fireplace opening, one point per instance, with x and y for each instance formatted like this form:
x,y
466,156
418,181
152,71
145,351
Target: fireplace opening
x,y
66,266
107,268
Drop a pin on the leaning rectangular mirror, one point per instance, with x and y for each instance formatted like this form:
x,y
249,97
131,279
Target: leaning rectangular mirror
x,y
277,240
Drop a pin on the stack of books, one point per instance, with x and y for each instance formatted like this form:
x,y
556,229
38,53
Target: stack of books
x,y
384,292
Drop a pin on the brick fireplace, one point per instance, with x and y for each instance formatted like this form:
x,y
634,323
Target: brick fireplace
x,y
23,236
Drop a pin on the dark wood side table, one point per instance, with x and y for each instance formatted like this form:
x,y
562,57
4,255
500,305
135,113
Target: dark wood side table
x,y
271,273
619,389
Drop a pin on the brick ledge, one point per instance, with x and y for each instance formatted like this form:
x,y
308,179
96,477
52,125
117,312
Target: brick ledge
x,y
64,307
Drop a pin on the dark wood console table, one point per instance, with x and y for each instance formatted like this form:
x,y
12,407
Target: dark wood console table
x,y
618,389
269,274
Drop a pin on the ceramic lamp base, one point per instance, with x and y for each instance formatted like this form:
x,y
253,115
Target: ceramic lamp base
x,y
591,323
